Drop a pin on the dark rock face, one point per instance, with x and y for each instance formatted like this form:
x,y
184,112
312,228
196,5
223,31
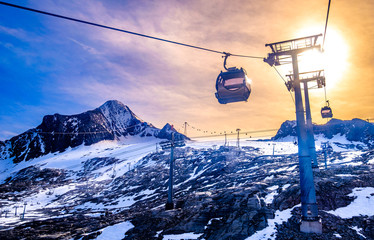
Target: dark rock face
x,y
288,128
166,133
56,133
355,130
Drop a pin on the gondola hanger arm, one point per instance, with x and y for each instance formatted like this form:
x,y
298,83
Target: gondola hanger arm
x,y
224,62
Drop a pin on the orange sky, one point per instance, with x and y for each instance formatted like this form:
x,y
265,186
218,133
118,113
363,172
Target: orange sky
x,y
163,83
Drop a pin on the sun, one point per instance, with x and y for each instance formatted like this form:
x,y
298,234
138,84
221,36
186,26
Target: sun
x,y
333,59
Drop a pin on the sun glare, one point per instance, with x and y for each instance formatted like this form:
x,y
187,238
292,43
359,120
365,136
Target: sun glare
x,y
334,58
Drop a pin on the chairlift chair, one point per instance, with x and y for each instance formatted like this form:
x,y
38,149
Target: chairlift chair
x,y
232,85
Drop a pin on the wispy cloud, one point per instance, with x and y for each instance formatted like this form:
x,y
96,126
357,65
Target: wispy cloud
x,y
163,82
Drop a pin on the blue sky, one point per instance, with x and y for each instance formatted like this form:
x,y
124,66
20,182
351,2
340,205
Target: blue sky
x,y
49,65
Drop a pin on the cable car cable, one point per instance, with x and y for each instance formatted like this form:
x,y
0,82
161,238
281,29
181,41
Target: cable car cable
x,y
124,31
327,19
293,100
325,93
234,134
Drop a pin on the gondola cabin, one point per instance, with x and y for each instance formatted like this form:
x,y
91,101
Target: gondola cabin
x,y
326,112
232,86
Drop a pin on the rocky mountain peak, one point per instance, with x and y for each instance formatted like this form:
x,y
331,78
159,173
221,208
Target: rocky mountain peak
x,y
354,130
114,107
111,121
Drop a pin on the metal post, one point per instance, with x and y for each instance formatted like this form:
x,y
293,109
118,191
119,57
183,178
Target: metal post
x,y
15,210
309,209
324,147
273,149
185,128
238,139
325,154
169,203
225,139
24,210
309,128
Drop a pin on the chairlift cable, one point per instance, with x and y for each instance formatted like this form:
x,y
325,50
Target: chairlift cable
x,y
123,30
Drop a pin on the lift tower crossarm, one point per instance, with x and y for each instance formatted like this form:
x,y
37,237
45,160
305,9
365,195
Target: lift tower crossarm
x,y
290,47
318,76
313,37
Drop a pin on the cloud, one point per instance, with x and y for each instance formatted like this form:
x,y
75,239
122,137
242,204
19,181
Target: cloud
x,y
18,33
4,135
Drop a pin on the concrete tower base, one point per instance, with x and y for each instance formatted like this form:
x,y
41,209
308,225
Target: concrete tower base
x,y
311,226
169,206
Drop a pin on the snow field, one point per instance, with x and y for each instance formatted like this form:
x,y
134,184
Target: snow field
x,y
270,231
361,205
182,236
115,232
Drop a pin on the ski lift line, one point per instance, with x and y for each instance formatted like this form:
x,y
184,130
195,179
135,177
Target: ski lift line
x,y
327,19
124,31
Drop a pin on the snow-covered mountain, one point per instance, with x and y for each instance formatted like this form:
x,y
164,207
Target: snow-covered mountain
x,y
355,130
111,121
118,189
